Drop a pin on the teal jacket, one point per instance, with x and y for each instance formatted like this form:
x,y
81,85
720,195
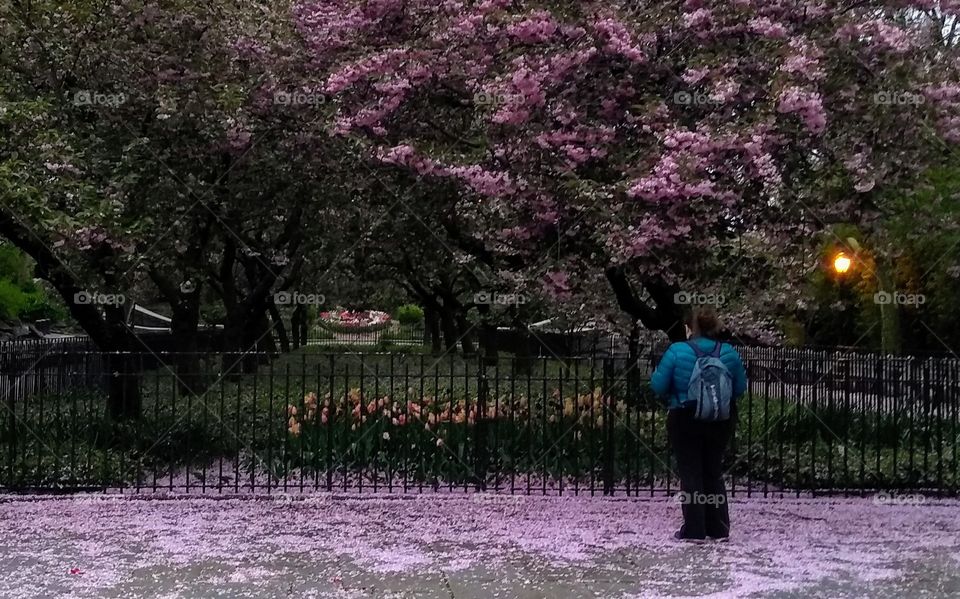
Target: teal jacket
x,y
672,376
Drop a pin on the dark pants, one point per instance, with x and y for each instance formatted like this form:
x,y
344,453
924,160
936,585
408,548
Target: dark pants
x,y
699,448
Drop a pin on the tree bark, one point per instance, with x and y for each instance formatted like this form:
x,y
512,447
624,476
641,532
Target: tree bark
x,y
664,316
279,327
465,331
298,326
431,328
487,335
448,325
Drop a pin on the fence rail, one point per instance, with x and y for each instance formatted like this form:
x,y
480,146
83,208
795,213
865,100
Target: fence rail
x,y
810,422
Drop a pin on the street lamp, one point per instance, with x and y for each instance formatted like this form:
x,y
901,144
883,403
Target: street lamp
x,y
841,263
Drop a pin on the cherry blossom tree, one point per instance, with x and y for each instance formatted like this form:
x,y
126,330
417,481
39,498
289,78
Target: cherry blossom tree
x,y
642,140
141,148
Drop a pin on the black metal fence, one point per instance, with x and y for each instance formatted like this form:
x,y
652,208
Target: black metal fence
x,y
392,334
811,422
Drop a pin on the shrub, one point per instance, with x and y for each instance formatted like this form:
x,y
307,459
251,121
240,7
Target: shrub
x,y
12,300
409,314
38,307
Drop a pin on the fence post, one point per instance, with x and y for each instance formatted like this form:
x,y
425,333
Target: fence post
x,y
480,455
12,433
609,414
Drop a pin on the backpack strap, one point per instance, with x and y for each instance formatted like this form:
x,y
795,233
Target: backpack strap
x,y
696,349
715,353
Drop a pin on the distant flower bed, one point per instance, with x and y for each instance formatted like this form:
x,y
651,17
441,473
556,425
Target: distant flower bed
x,y
345,321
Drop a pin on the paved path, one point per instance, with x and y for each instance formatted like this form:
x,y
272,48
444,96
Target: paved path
x,y
467,547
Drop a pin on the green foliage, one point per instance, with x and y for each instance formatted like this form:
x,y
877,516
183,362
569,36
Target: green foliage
x,y
409,314
20,297
12,300
39,306
14,265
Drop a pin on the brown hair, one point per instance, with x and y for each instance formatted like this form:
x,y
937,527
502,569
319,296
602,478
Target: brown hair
x,y
703,320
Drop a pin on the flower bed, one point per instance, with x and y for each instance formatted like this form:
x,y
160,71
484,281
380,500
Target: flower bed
x,y
345,321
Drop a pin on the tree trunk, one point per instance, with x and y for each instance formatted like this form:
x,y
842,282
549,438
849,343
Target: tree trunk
x,y
279,327
123,367
187,359
523,361
666,316
304,330
889,311
449,326
464,328
298,326
185,328
262,337
431,328
487,336
108,328
124,401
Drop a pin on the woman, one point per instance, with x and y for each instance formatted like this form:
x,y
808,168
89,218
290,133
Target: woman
x,y
699,445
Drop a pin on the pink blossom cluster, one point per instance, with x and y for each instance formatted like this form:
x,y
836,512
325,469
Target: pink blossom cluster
x,y
699,20
670,181
878,34
482,181
619,41
766,168
355,319
945,99
92,237
578,146
557,285
808,105
765,27
539,27
804,60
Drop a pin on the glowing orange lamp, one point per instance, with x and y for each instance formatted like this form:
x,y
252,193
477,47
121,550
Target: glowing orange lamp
x,y
842,263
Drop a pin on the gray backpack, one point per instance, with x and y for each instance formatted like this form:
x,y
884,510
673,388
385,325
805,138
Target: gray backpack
x,y
710,390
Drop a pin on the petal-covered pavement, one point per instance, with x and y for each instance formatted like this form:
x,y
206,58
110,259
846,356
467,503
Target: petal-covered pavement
x,y
471,546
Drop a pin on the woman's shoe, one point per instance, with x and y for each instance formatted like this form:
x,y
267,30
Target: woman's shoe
x,y
679,536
